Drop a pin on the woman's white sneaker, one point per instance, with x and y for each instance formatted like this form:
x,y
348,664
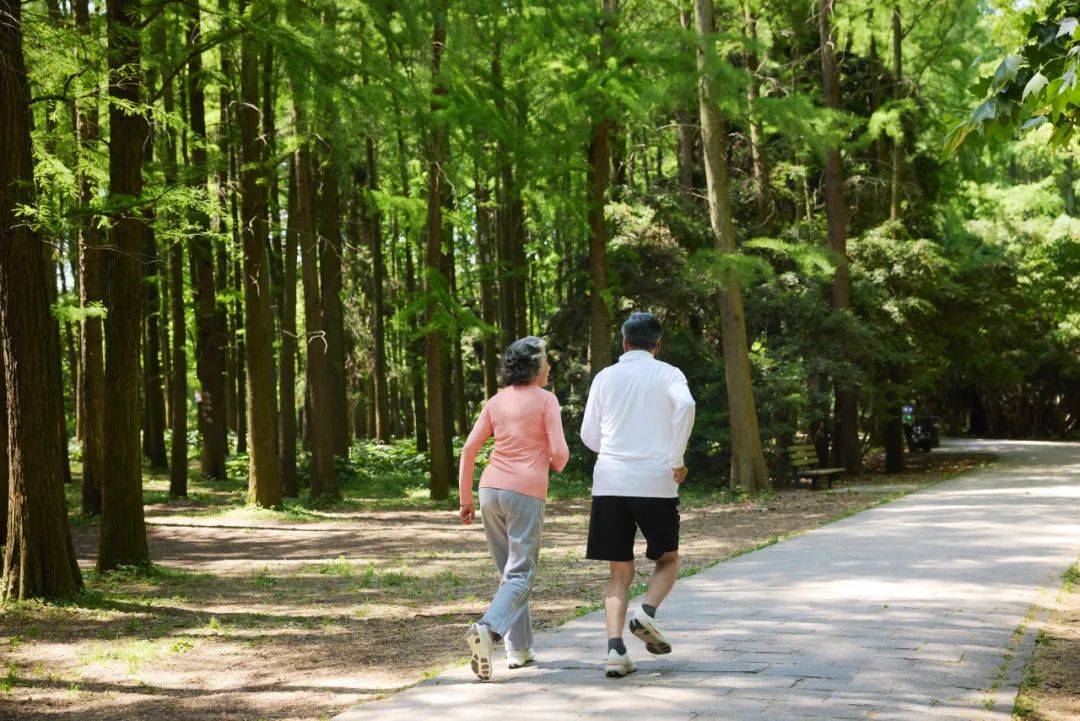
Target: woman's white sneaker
x,y
618,664
481,646
517,659
644,627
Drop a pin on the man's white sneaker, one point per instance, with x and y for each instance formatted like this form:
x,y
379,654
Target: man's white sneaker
x,y
644,627
618,664
481,646
517,659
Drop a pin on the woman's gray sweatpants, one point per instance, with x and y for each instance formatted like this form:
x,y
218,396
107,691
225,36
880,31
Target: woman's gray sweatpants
x,y
512,524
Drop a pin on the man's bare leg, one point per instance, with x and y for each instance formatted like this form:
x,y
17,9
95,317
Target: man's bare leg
x,y
618,663
663,578
616,597
642,621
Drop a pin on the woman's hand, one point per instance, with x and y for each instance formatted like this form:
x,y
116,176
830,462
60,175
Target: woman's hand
x,y
468,514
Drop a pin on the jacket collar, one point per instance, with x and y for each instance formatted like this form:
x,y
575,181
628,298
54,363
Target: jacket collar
x,y
632,355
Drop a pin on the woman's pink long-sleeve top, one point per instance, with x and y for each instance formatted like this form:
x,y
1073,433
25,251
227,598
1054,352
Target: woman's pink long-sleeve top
x,y
529,440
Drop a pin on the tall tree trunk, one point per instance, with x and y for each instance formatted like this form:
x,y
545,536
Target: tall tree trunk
x,y
239,364
460,406
153,435
599,160
123,530
210,340
894,427
438,365
378,311
323,477
269,133
333,311
69,338
898,142
4,475
264,477
177,386
227,181
486,271
416,357
846,450
39,558
289,482
877,92
748,469
91,393
758,163
686,131
414,348
511,306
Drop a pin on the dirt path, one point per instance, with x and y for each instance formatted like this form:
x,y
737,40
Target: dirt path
x,y
262,618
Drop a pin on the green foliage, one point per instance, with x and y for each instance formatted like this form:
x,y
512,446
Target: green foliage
x,y
1037,84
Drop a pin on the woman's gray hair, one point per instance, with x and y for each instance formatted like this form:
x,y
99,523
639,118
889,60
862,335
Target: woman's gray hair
x,y
520,363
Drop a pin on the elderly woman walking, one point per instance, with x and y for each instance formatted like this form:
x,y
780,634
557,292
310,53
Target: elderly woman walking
x,y
527,426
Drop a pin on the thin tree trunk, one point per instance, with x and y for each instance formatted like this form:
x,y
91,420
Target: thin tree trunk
x,y
414,348
177,386
153,437
599,166
758,166
239,351
69,338
39,558
320,416
333,311
92,376
4,469
459,411
264,477
416,358
269,132
846,449
894,428
123,529
378,311
877,93
289,483
506,227
210,340
486,271
438,365
898,142
686,130
748,469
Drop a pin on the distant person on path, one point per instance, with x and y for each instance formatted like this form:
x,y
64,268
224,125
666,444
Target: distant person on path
x,y
526,422
637,419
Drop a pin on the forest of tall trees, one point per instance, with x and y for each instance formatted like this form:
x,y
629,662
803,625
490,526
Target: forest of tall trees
x,y
253,231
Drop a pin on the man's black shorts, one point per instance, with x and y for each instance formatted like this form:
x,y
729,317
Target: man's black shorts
x,y
614,521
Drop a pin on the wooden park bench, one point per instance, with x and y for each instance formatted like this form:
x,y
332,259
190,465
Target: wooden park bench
x,y
804,464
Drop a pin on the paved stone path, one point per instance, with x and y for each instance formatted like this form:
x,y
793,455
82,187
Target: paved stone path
x,y
907,611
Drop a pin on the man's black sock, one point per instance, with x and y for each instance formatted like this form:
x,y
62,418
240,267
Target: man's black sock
x,y
616,645
651,610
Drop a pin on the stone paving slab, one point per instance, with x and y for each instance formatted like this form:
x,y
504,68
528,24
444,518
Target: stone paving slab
x,y
908,611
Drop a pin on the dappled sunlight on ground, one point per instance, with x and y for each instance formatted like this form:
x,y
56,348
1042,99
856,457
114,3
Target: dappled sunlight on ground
x,y
253,614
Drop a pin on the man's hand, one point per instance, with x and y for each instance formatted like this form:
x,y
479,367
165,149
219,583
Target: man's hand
x,y
679,474
468,514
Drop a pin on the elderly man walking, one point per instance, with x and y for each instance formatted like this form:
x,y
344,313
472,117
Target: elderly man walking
x,y
638,419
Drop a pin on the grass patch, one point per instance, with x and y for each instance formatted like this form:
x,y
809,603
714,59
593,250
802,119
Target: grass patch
x,y
1070,578
136,654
